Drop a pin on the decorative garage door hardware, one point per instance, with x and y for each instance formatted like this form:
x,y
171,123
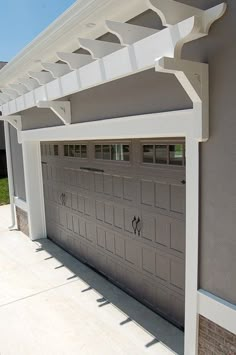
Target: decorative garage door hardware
x,y
137,225
92,169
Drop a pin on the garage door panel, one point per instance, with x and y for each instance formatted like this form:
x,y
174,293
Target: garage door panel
x,y
176,311
108,218
89,207
148,227
119,246
101,237
133,283
110,242
163,267
132,252
162,195
147,192
129,189
100,211
81,204
69,221
107,184
177,198
90,231
119,217
162,302
62,217
75,222
177,274
149,260
117,182
177,233
74,202
82,228
163,230
98,183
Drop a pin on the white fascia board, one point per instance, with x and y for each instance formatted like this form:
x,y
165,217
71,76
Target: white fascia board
x,y
166,124
137,57
217,310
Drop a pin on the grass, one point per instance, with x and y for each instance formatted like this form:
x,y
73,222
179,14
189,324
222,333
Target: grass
x,y
4,192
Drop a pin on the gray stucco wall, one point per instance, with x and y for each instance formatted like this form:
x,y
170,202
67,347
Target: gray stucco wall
x,y
218,157
17,165
152,92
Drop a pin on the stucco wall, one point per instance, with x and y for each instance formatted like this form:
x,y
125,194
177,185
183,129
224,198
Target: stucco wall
x,y
17,165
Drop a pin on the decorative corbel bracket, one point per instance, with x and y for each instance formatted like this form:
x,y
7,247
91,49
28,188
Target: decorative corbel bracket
x,y
61,108
194,78
15,121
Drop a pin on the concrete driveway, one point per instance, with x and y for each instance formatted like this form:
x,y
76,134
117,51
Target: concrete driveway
x,y
50,303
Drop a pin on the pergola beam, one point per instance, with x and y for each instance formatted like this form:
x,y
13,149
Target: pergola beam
x,y
127,33
29,83
56,69
75,60
19,88
42,77
98,49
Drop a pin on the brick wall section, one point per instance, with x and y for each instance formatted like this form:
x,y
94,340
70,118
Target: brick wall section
x,y
22,221
215,340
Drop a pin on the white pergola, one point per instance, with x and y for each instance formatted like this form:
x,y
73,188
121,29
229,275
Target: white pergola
x,y
140,49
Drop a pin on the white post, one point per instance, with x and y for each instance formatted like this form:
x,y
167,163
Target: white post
x,y
10,174
34,189
192,231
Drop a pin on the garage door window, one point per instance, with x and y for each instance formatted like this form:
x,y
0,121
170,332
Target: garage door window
x,y
114,152
50,149
176,154
75,150
167,154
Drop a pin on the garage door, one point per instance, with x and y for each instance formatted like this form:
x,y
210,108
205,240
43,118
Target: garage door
x,y
120,207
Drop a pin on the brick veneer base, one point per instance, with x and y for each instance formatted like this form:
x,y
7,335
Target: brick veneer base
x,y
215,340
22,221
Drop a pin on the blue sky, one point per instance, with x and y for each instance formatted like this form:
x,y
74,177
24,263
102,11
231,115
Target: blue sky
x,y
22,20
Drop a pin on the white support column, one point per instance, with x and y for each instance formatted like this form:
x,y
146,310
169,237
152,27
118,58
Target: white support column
x,y
10,174
192,232
34,189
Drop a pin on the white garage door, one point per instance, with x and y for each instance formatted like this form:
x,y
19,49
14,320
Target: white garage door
x,y
120,207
